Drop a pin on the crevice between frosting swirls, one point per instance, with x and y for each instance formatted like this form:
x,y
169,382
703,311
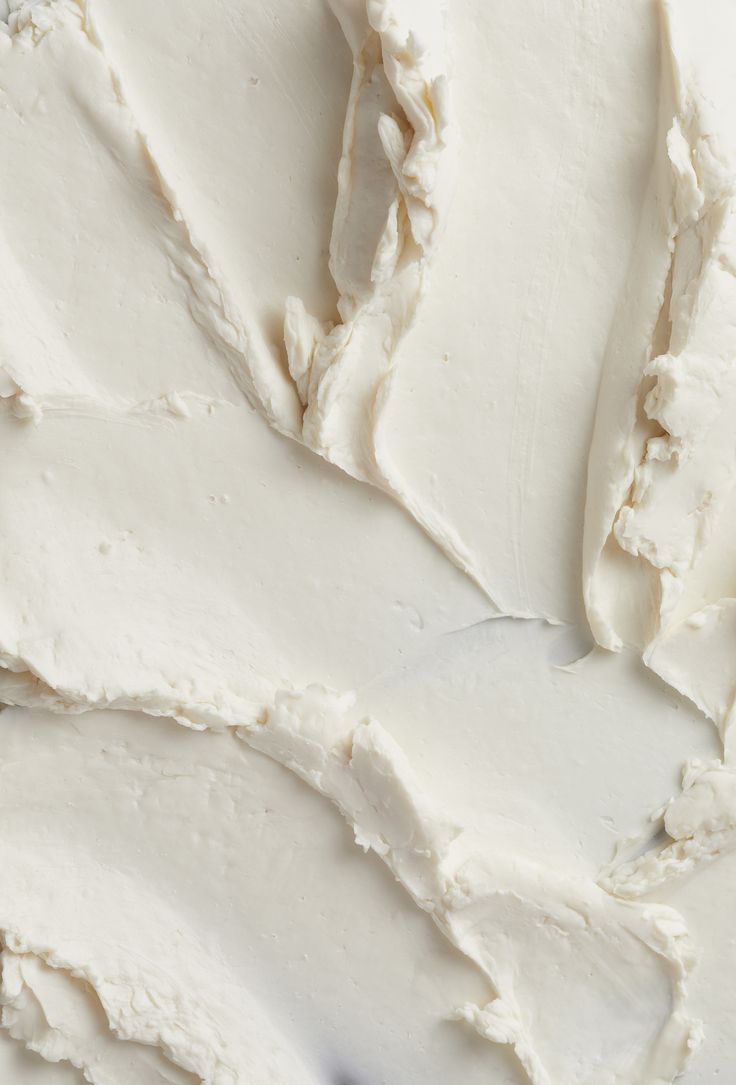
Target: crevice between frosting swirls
x,y
589,988
562,955
493,908
660,514
395,181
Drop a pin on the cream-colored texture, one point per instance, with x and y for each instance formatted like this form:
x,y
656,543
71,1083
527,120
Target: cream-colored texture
x,y
220,839
660,516
190,324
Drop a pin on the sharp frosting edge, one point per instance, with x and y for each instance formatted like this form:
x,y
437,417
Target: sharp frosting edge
x,y
190,264
491,906
671,500
474,895
516,920
659,513
48,1009
91,999
385,231
621,429
387,222
542,939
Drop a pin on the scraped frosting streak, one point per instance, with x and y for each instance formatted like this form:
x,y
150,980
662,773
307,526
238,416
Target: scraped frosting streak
x,y
394,185
661,509
177,399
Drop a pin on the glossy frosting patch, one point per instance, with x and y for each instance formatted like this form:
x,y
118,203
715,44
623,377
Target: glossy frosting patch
x,y
309,314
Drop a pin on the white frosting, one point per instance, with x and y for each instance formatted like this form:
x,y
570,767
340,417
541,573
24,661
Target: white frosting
x,y
548,943
154,978
659,518
393,188
680,477
187,330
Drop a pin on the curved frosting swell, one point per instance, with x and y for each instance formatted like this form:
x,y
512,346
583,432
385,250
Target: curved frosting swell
x,y
661,500
156,985
195,638
681,462
588,988
394,179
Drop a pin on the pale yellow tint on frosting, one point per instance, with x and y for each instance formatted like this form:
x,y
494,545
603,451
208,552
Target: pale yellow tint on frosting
x,y
306,316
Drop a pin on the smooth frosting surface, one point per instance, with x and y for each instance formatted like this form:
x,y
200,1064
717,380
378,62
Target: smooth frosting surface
x,y
315,314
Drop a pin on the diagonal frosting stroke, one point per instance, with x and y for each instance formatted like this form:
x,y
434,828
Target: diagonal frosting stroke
x,y
658,555
490,906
